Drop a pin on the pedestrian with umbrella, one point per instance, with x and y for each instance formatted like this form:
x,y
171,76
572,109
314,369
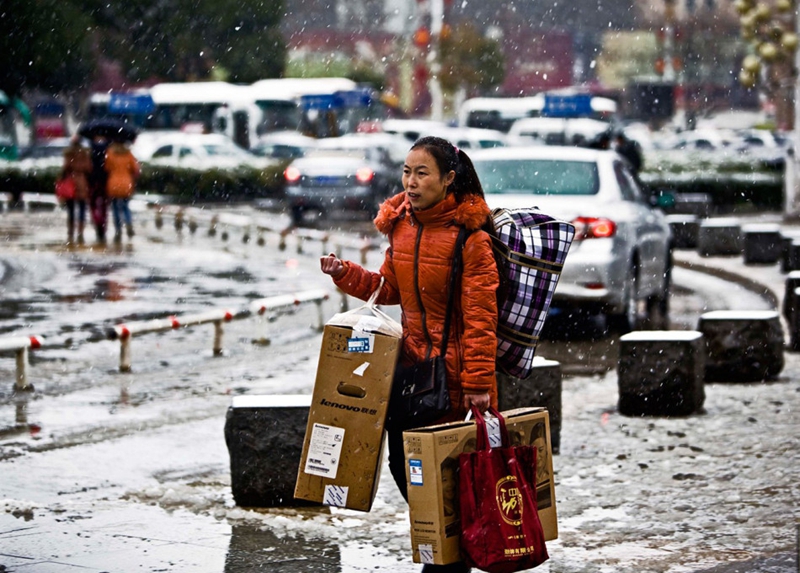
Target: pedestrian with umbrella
x,y
102,132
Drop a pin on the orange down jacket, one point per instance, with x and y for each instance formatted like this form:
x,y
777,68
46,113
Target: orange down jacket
x,y
416,270
123,171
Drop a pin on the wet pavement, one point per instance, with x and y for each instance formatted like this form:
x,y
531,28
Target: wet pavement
x,y
103,471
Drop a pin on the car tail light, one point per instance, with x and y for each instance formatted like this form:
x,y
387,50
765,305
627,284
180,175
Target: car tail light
x,y
364,175
594,228
292,174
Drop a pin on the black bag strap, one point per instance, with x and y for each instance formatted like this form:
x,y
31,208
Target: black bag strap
x,y
451,289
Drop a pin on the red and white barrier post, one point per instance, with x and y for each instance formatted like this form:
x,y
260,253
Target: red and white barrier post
x,y
276,304
20,345
125,332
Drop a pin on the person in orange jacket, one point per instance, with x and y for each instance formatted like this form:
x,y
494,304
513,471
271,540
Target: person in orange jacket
x,y
442,193
123,171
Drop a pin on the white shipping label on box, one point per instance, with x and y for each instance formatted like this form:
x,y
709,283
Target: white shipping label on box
x,y
324,450
415,471
335,495
361,342
425,553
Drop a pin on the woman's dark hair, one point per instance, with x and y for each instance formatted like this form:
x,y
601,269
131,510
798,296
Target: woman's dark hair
x,y
449,158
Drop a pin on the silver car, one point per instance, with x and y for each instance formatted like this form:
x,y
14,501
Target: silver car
x,y
620,261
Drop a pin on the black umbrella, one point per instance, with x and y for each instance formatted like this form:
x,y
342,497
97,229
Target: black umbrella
x,y
109,128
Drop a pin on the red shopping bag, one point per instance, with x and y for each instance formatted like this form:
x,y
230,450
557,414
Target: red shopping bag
x,y
500,527
65,188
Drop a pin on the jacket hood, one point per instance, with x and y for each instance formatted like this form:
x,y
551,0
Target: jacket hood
x,y
471,213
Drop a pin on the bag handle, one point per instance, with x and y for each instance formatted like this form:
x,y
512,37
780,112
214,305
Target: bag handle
x,y
370,305
483,433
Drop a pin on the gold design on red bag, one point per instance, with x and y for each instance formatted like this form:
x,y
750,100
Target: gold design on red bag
x,y
509,500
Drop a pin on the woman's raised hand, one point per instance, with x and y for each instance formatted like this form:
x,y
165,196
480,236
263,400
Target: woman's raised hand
x,y
331,265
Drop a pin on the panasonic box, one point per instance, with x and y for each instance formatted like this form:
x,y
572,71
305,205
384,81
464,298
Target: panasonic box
x,y
431,455
343,448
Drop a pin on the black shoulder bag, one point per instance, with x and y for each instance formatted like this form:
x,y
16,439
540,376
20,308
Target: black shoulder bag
x,y
419,392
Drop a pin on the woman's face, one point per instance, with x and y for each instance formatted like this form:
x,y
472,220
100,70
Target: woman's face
x,y
423,183
449,484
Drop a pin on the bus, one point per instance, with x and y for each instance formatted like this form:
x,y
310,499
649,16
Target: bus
x,y
500,113
175,106
320,107
15,122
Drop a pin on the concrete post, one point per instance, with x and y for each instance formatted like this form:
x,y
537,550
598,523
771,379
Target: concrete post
x,y
125,353
541,389
22,369
218,331
264,436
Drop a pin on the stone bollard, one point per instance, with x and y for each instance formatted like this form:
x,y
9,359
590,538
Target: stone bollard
x,y
660,373
793,255
790,300
719,237
693,204
685,229
793,320
762,244
742,345
264,435
542,389
787,263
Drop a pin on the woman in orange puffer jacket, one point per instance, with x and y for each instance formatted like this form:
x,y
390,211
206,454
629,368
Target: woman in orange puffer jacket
x,y
441,194
123,171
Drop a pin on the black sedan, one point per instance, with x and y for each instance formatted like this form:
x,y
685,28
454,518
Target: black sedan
x,y
334,182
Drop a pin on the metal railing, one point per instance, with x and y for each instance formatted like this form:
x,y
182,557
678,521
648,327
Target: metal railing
x,y
223,224
276,304
273,306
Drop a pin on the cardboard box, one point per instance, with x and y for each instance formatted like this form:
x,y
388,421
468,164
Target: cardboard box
x,y
431,461
343,447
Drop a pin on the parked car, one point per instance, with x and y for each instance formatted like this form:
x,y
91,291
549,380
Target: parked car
x,y
413,129
557,130
620,262
705,139
283,145
394,146
474,137
44,153
340,178
196,150
463,137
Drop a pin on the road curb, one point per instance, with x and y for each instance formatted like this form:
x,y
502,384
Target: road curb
x,y
765,291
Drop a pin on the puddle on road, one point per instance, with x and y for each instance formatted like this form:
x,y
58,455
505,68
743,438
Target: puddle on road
x,y
97,268
103,289
238,274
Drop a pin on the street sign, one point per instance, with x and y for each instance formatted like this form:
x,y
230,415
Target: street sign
x,y
579,105
131,103
336,100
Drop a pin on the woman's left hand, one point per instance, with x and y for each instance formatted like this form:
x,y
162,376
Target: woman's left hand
x,y
481,401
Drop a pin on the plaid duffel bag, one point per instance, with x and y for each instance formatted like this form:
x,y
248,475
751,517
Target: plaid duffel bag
x,y
530,248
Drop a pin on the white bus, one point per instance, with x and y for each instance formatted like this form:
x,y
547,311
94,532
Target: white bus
x,y
500,113
316,106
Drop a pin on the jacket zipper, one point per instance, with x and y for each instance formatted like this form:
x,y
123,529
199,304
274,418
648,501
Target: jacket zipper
x,y
419,295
